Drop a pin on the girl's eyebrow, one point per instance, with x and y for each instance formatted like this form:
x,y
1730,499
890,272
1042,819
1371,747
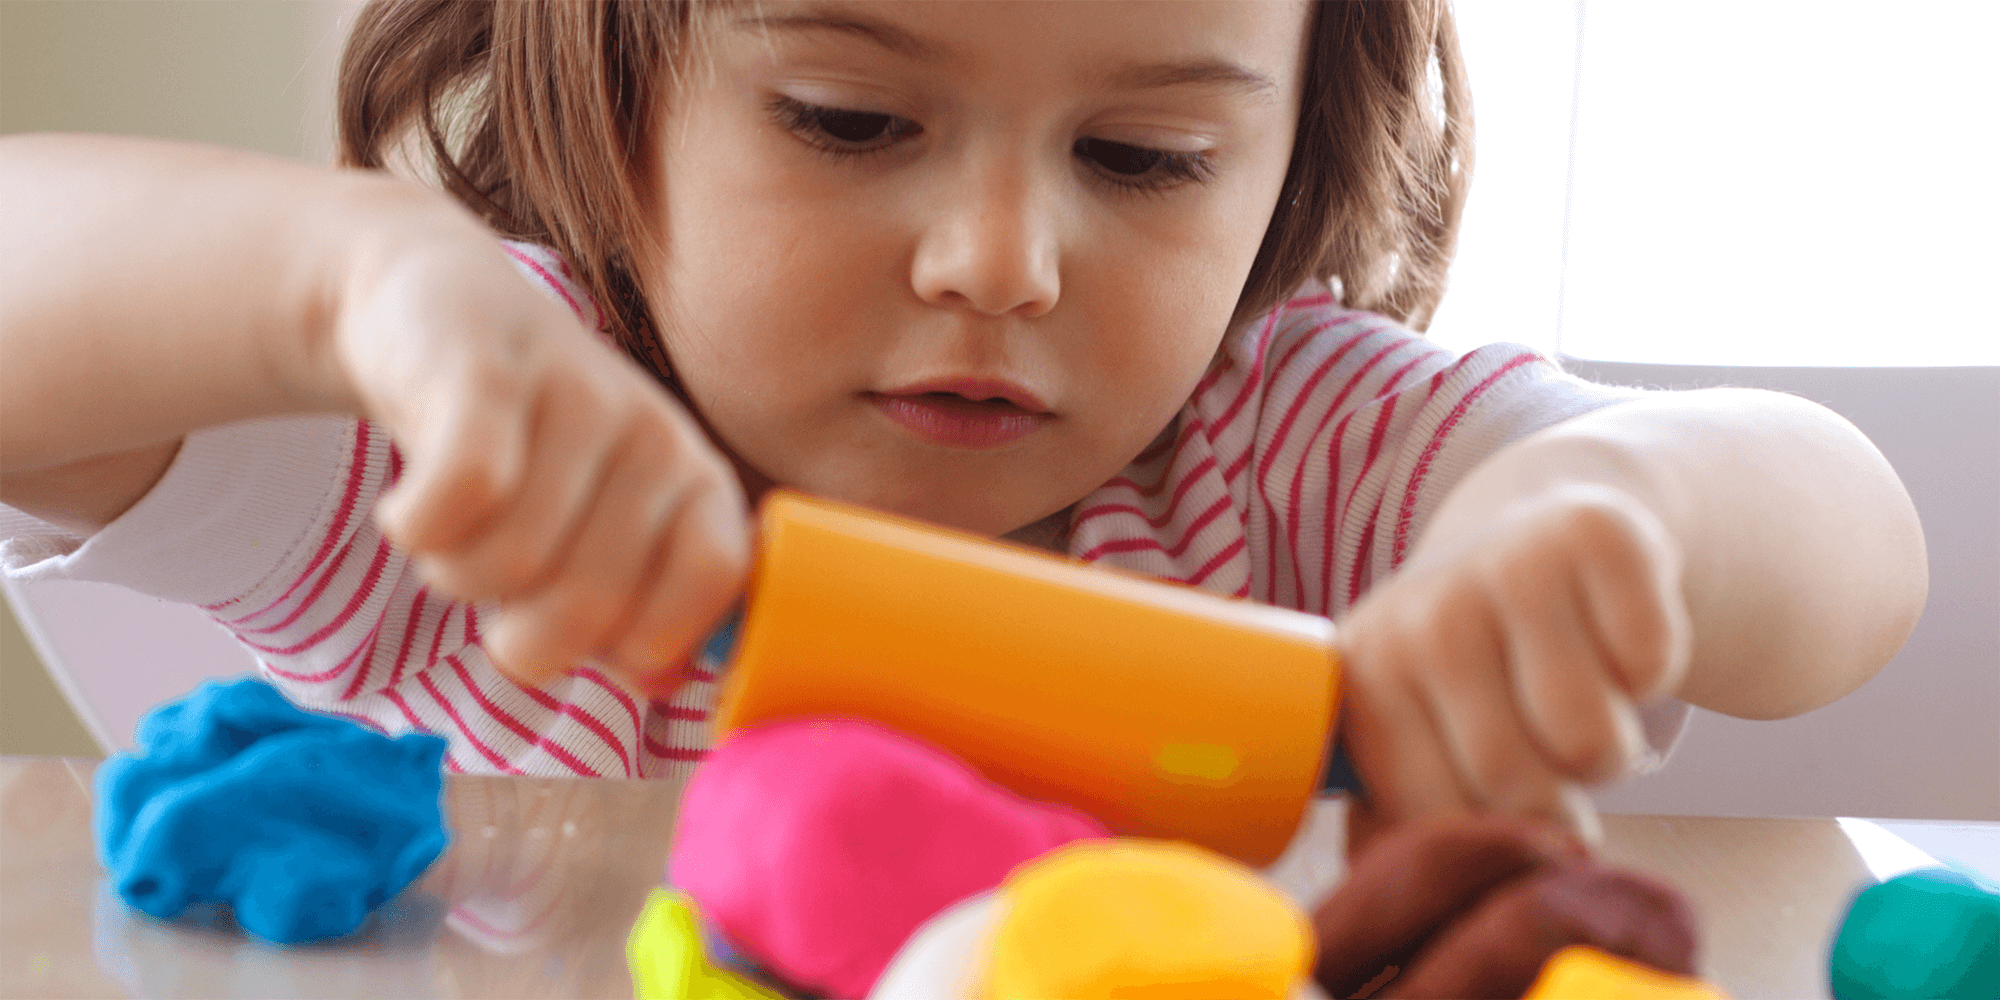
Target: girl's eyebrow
x,y
1215,73
886,35
1218,73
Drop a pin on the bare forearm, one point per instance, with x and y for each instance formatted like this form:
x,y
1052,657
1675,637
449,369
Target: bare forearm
x,y
154,288
1802,561
89,493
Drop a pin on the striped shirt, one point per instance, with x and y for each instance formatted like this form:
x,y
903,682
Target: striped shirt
x,y
1301,472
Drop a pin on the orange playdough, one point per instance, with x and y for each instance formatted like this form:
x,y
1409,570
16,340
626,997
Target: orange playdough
x,y
1143,918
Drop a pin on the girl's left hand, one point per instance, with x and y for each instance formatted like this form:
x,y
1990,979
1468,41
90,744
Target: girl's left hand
x,y
1501,667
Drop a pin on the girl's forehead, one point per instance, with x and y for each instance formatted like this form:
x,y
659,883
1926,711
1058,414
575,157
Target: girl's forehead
x,y
1252,45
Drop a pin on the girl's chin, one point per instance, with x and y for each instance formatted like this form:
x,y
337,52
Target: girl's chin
x,y
955,506
983,501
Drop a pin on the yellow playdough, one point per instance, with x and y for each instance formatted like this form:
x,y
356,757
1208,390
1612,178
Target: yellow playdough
x,y
1582,973
665,954
1143,919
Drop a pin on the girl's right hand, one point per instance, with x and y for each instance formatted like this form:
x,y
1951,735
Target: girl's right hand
x,y
542,468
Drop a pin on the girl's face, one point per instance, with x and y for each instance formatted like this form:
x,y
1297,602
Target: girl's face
x,y
963,261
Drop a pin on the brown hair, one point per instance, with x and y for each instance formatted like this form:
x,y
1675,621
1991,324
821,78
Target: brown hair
x,y
1380,166
536,116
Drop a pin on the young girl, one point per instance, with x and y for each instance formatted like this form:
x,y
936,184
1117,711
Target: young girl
x,y
1137,283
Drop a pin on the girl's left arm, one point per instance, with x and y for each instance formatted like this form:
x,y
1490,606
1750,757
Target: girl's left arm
x,y
1802,560
1747,551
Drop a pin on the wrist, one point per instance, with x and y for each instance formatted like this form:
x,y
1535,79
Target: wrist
x,y
373,228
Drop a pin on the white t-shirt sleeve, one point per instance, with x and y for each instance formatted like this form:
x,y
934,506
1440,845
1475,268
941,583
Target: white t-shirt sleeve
x,y
235,504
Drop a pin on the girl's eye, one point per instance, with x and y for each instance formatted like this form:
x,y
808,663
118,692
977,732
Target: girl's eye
x,y
839,131
1129,161
1142,168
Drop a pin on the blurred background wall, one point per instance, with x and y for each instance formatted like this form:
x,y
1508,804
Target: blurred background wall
x,y
251,73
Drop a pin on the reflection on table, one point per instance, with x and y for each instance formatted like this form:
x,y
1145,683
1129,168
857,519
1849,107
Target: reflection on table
x,y
545,876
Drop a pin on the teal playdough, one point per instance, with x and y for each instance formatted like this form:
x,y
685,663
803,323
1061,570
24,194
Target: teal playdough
x,y
303,823
1930,933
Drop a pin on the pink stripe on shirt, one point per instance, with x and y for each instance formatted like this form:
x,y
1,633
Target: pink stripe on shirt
x,y
1404,516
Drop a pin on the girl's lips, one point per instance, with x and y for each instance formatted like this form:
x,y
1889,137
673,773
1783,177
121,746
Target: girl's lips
x,y
983,390
953,421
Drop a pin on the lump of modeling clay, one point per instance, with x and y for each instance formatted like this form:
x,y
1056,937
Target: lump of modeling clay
x,y
304,823
1474,907
1499,947
817,846
669,961
1580,972
1932,932
1158,919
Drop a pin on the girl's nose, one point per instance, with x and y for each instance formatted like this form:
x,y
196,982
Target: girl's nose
x,y
992,249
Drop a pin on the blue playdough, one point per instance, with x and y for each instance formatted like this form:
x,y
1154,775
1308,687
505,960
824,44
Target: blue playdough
x,y
1930,933
304,823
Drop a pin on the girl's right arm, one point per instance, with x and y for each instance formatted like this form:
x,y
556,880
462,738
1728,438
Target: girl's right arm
x,y
155,288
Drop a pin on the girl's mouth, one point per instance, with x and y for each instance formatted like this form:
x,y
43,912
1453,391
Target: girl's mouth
x,y
951,420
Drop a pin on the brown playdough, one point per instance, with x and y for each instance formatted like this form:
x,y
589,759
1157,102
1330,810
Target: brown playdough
x,y
1497,949
1472,908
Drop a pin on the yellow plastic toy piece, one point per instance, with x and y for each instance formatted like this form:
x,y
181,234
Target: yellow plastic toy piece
x,y
1579,972
665,954
1143,918
1161,710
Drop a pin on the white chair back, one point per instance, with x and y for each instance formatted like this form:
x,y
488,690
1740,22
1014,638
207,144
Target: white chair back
x,y
116,654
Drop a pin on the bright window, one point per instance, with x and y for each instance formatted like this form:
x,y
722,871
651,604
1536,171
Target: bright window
x,y
1752,183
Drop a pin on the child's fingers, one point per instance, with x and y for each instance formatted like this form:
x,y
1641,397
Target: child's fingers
x,y
1632,594
574,436
1579,717
1568,699
1464,684
602,566
1431,723
702,563
1497,759
1393,736
1481,727
466,457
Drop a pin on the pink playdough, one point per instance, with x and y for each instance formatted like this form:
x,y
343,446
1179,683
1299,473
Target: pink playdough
x,y
818,846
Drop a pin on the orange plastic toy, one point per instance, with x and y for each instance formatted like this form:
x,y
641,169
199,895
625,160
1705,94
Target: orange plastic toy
x,y
1579,972
1161,710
